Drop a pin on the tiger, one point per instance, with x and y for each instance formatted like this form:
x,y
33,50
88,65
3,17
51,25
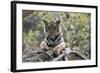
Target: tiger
x,y
53,36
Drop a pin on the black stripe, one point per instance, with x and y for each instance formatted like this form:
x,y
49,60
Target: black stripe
x,y
53,39
57,36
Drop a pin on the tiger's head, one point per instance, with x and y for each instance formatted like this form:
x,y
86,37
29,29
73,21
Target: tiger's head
x,y
51,27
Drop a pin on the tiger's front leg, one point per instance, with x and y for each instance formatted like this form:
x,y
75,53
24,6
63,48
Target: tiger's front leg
x,y
43,46
60,47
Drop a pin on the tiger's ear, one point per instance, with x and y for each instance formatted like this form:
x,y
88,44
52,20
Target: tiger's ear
x,y
57,22
45,22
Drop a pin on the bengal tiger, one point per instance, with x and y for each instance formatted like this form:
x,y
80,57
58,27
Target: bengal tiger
x,y
53,36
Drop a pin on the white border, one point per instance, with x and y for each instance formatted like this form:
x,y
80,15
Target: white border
x,y
21,65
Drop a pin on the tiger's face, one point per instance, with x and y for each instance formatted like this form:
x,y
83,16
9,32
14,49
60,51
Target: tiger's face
x,y
51,27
